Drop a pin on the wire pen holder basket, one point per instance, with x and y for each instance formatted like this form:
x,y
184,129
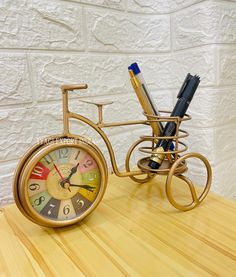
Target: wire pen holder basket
x,y
174,162
171,155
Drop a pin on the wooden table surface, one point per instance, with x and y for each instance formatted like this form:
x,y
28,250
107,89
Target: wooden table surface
x,y
133,232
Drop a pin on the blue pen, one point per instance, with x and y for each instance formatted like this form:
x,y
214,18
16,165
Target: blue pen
x,y
138,74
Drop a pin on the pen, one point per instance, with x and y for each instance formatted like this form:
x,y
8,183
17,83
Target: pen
x,y
138,74
184,96
143,100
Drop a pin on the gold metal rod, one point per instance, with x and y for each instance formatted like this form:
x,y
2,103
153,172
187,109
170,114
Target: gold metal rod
x,y
170,118
108,144
114,124
153,141
65,111
177,140
100,119
65,88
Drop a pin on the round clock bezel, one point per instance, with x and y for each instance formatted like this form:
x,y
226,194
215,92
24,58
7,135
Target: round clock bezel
x,y
29,166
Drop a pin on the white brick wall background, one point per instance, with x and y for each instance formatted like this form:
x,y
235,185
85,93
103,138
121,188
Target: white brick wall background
x,y
44,44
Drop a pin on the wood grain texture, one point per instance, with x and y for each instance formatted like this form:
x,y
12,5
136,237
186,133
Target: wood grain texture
x,y
133,232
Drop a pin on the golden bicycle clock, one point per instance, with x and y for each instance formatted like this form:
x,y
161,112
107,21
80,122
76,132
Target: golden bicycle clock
x,y
62,179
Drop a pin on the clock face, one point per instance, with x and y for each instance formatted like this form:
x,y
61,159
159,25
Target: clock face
x,y
63,184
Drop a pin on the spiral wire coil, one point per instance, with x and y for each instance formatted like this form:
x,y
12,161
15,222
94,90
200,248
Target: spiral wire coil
x,y
170,155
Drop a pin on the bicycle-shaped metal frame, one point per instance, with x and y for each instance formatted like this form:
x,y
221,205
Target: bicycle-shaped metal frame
x,y
174,163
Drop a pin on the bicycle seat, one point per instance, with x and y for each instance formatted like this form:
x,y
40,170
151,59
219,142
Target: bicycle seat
x,y
98,103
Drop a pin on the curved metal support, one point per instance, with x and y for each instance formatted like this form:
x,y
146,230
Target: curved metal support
x,y
108,144
127,162
195,199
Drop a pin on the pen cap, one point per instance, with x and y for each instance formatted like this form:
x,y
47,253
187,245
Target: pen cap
x,y
135,68
191,87
187,78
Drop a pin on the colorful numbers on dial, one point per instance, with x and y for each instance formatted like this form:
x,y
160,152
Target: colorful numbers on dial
x,y
64,183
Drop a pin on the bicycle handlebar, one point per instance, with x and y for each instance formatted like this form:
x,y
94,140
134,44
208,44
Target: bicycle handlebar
x,y
66,88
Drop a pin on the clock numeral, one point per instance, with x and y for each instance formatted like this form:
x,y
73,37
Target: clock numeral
x,y
66,209
34,186
80,203
88,163
48,159
38,202
63,153
51,206
38,171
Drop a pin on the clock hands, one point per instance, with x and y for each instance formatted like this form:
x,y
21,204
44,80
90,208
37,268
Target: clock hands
x,y
65,182
62,178
72,172
87,187
59,173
